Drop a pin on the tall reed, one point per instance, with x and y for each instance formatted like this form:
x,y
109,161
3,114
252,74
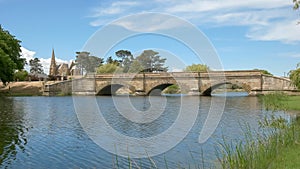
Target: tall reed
x,y
260,147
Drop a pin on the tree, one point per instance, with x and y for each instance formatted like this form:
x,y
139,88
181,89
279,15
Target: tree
x,y
295,76
113,61
86,62
197,68
126,59
35,66
173,89
136,67
265,72
20,75
151,61
296,4
10,52
109,68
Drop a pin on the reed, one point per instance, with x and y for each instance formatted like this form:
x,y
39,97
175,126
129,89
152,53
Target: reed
x,y
261,147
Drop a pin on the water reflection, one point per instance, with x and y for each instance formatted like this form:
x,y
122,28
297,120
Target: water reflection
x,y
12,130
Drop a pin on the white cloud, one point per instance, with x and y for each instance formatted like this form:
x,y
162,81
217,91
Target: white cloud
x,y
286,31
226,5
114,8
27,54
267,20
149,22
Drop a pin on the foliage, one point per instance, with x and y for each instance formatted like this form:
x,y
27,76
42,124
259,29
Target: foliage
x,y
113,61
289,157
126,59
295,76
274,101
291,102
148,61
35,66
197,68
20,75
135,67
173,89
10,60
262,149
265,72
86,62
109,68
296,4
280,101
151,61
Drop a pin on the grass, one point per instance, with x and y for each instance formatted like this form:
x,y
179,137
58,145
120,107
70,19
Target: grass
x,y
291,102
280,101
260,149
276,145
22,89
287,159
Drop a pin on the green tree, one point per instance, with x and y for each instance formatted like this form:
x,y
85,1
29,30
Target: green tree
x,y
151,61
265,72
109,68
20,75
296,4
173,89
35,66
197,68
113,61
87,63
295,76
126,59
10,52
136,67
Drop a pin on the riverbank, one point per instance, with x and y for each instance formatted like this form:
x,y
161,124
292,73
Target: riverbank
x,y
34,88
291,102
276,145
290,156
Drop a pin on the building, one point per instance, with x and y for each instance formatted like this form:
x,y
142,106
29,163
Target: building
x,y
62,70
53,67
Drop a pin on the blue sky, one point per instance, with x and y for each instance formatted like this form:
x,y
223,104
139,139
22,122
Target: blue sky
x,y
246,34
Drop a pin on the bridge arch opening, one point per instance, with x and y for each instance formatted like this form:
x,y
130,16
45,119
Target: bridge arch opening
x,y
221,89
157,90
115,89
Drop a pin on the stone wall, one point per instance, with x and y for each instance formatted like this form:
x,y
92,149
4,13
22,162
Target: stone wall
x,y
142,84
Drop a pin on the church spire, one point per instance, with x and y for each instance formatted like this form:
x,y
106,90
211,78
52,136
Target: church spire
x,y
52,71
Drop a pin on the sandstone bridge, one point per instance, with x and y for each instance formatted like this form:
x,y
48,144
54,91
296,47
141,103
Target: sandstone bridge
x,y
198,83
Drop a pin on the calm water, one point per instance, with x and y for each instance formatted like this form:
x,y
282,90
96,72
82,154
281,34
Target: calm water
x,y
44,132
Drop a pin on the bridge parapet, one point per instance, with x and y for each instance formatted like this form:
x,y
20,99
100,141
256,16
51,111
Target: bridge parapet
x,y
254,82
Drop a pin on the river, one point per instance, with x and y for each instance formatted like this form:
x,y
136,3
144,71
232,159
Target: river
x,y
44,132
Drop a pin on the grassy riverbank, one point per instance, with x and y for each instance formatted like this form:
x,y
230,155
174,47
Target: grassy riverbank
x,y
291,102
277,145
22,89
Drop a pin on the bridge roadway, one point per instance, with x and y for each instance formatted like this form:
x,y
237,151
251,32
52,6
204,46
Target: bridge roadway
x,y
197,83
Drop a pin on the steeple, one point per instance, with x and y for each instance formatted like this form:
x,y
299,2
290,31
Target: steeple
x,y
52,71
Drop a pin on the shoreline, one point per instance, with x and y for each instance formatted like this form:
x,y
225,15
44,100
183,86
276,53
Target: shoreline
x,y
24,88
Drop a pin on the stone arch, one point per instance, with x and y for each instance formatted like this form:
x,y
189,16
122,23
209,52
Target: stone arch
x,y
111,89
208,91
156,90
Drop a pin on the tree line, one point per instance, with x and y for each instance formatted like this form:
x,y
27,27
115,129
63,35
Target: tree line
x,y
124,62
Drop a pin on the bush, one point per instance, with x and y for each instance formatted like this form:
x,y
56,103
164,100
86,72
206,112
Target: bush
x,y
20,75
